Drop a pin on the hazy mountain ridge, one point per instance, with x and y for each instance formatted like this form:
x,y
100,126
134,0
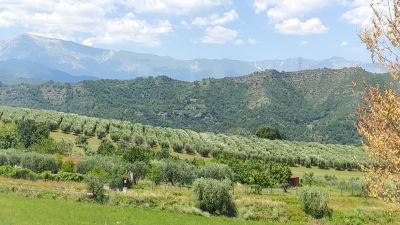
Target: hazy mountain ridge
x,y
311,105
80,60
16,71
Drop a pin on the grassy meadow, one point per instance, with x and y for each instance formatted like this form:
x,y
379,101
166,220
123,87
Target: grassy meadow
x,y
49,202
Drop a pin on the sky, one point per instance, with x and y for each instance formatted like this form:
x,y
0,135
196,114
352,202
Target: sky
x,y
186,29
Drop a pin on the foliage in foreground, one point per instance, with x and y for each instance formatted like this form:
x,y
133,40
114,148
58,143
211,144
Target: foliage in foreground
x,y
315,202
214,196
379,115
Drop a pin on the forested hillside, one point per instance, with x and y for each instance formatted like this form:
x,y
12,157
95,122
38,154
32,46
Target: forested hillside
x,y
315,105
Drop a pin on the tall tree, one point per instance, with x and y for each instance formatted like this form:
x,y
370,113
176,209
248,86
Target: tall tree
x,y
379,117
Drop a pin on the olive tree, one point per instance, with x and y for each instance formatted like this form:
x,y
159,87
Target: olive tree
x,y
214,196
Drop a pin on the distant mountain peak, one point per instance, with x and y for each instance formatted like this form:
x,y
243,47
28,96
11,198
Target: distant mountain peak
x,y
80,60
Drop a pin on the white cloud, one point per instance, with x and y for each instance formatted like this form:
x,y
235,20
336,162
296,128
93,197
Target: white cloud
x,y
216,19
287,15
360,12
174,6
131,29
344,43
219,35
278,10
88,21
296,26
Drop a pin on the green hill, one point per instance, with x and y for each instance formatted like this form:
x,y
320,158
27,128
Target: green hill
x,y
315,105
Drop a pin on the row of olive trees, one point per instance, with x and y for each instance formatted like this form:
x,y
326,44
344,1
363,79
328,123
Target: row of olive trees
x,y
190,142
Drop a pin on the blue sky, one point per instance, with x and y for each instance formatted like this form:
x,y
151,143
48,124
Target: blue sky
x,y
186,29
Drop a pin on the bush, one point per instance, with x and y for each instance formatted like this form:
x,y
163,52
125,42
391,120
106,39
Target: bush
x,y
213,196
177,147
138,169
315,202
178,172
49,146
22,173
38,163
216,171
155,173
68,166
3,160
139,141
81,140
61,176
65,176
204,152
18,173
268,133
309,179
106,148
7,171
101,134
189,150
8,136
95,186
135,154
175,172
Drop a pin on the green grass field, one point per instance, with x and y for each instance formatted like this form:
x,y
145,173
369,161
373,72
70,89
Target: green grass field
x,y
31,202
24,211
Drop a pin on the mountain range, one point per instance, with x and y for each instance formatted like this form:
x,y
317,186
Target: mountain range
x,y
35,59
311,105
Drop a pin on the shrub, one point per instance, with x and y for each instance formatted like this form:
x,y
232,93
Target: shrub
x,y
22,173
213,196
95,186
204,152
268,132
68,166
65,176
164,144
7,171
136,153
46,175
3,160
101,134
151,142
216,171
189,150
177,147
18,173
155,173
106,148
139,141
315,202
38,163
257,173
81,140
178,172
172,171
115,136
309,179
8,136
138,169
49,146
